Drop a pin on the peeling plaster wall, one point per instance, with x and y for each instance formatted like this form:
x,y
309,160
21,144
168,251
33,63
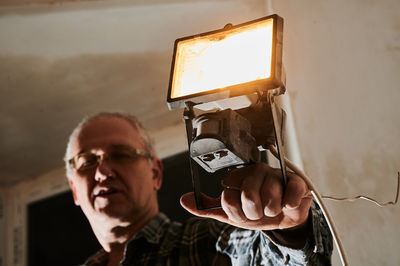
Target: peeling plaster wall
x,y
343,62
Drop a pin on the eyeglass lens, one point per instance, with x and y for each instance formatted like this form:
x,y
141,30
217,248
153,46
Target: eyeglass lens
x,y
89,160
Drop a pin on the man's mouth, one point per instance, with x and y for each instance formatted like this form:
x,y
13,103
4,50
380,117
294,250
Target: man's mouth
x,y
104,192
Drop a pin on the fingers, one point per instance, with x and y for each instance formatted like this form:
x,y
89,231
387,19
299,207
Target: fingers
x,y
271,194
250,196
296,189
254,198
189,203
296,200
230,198
262,195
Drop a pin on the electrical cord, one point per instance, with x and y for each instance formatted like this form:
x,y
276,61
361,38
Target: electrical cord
x,y
318,198
368,198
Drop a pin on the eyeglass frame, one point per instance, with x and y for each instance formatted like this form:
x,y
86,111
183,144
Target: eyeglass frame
x,y
101,157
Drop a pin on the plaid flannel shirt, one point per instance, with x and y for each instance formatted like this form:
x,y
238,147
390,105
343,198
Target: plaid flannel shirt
x,y
208,242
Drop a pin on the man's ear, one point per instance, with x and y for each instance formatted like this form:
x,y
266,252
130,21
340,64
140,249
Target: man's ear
x,y
157,168
72,186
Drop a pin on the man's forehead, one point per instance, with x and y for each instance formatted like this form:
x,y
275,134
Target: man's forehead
x,y
106,131
110,125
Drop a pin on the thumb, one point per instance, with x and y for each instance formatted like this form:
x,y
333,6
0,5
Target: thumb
x,y
188,202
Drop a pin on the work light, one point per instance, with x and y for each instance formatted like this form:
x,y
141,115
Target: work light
x,y
238,70
233,61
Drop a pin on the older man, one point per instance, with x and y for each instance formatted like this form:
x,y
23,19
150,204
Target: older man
x,y
114,175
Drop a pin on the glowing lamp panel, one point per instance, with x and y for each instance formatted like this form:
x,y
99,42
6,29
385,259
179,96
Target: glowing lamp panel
x,y
223,59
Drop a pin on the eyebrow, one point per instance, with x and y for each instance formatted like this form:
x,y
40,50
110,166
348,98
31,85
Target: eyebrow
x,y
112,147
121,147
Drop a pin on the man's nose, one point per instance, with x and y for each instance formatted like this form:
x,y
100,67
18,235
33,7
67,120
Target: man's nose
x,y
104,170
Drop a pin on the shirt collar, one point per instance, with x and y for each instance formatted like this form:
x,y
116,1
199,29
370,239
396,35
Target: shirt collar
x,y
154,230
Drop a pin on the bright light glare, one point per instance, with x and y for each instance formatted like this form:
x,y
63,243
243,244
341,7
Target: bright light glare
x,y
223,59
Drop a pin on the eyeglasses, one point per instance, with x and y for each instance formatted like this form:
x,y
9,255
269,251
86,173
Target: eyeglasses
x,y
89,160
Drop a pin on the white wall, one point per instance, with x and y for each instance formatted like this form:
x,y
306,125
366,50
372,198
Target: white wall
x,y
343,63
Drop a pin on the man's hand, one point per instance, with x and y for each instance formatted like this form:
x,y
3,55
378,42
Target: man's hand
x,y
261,203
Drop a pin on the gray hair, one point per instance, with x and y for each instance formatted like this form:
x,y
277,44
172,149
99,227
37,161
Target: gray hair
x,y
133,120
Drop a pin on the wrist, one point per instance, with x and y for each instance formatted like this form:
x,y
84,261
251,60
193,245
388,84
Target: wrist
x,y
295,237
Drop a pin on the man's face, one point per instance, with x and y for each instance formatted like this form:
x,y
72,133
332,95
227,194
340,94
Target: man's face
x,y
120,191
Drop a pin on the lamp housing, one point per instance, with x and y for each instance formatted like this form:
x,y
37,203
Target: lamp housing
x,y
234,61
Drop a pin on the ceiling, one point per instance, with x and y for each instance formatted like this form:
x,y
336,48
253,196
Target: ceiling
x,y
62,61
37,118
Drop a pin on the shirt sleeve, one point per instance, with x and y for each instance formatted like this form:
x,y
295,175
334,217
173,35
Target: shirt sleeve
x,y
249,247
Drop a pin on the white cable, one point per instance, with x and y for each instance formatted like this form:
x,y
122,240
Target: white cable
x,y
318,199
